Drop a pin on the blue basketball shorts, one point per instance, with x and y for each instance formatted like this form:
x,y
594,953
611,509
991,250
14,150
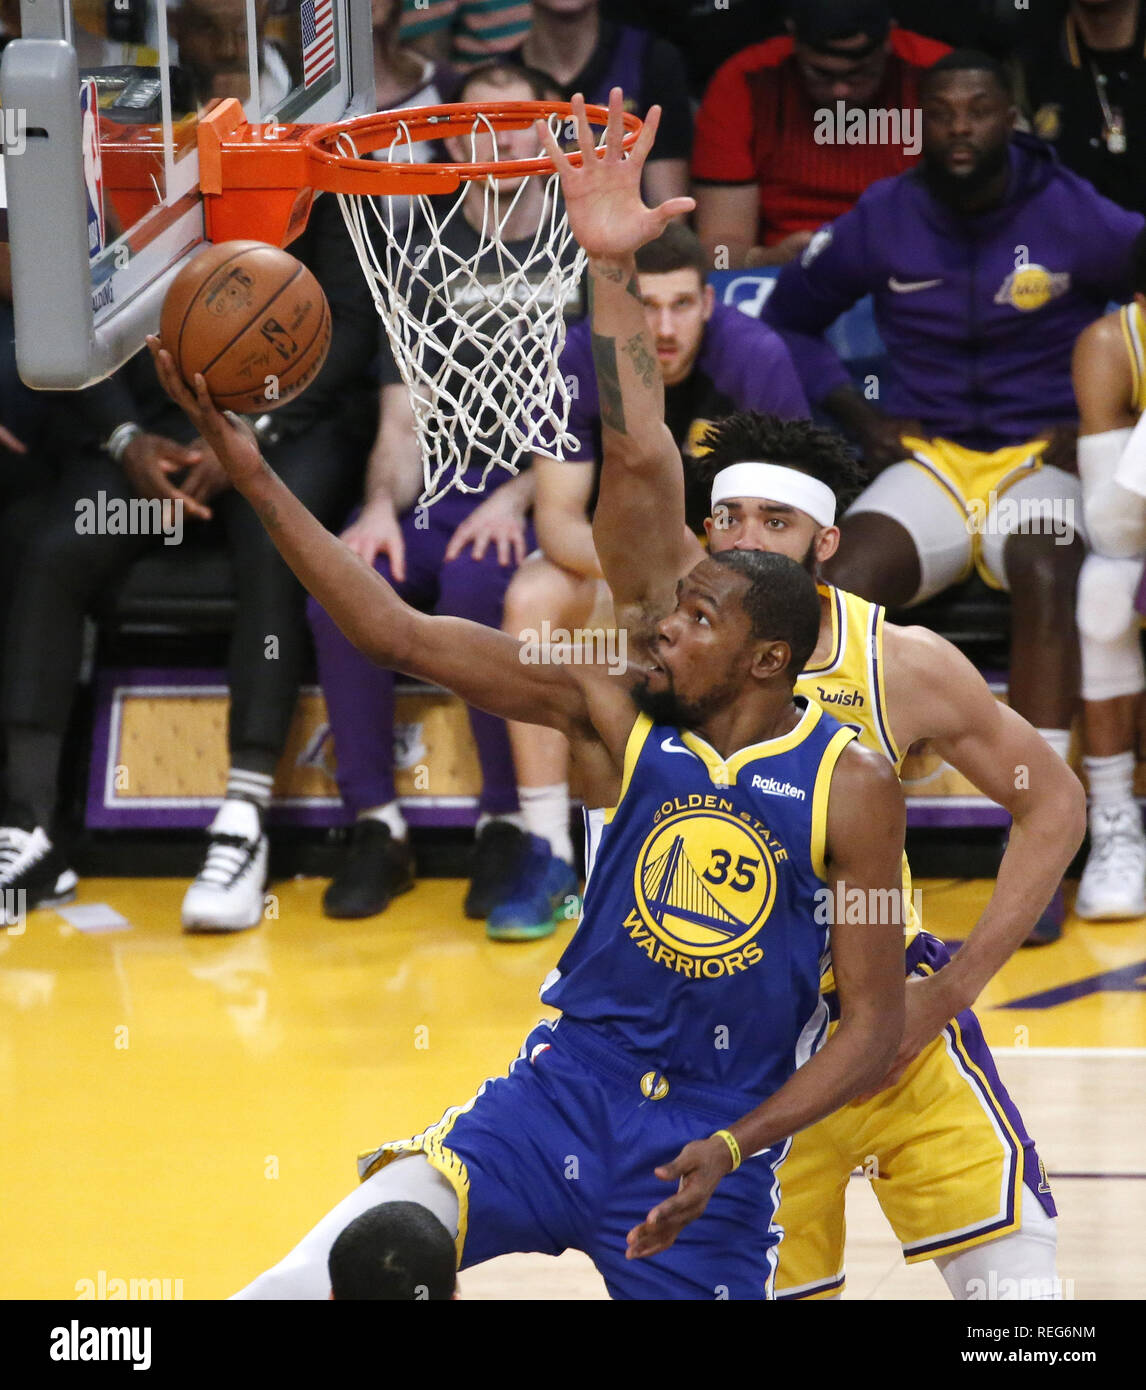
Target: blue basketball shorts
x,y
559,1154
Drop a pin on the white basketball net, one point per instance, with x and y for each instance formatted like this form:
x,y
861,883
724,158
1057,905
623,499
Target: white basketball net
x,y
501,313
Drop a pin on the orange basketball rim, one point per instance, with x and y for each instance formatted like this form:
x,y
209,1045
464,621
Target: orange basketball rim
x,y
259,182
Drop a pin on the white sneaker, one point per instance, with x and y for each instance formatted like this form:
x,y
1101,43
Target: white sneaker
x,y
228,893
30,864
1113,884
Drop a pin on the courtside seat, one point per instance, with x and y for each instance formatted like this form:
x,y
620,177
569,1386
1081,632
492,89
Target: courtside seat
x,y
186,589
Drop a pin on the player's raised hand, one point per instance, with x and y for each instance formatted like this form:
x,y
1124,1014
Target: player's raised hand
x,y
697,1170
231,438
602,190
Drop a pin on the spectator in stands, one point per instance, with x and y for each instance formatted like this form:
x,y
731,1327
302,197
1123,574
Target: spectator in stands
x,y
1086,94
985,265
705,35
1110,386
584,52
465,32
403,77
456,556
316,444
212,43
715,360
792,131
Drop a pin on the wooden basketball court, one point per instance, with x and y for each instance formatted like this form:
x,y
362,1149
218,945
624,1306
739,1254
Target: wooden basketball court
x,y
182,1109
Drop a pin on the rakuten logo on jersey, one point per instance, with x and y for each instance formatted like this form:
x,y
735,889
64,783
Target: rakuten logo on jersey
x,y
774,788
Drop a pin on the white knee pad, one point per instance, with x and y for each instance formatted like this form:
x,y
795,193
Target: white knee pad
x,y
1018,1266
1108,628
1115,517
303,1273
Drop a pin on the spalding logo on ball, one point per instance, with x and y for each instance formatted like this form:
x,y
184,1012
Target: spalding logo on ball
x,y
252,319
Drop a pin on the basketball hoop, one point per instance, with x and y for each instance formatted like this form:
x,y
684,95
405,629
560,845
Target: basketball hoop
x,y
476,333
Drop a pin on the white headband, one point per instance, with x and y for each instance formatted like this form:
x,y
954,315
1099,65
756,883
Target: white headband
x,y
777,484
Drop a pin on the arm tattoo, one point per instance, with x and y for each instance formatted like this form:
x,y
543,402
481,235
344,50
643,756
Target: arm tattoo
x,y
644,363
608,382
614,274
270,516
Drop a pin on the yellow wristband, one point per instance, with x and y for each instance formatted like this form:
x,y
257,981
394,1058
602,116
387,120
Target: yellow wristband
x,y
733,1147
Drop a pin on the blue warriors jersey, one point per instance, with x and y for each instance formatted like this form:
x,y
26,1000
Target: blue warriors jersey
x,y
705,926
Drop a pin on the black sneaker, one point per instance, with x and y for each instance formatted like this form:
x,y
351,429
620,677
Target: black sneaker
x,y
376,869
498,853
32,865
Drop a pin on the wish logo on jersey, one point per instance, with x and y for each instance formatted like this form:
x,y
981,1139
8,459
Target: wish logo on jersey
x,y
705,885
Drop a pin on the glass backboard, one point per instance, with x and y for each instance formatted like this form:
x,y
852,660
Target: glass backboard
x,y
101,105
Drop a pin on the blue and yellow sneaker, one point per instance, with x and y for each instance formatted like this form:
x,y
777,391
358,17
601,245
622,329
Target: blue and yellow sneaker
x,y
545,891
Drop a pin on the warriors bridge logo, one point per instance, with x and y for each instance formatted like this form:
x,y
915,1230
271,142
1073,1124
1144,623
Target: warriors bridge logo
x,y
705,884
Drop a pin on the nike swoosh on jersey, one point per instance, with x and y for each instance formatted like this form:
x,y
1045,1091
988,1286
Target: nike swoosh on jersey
x,y
670,747
910,286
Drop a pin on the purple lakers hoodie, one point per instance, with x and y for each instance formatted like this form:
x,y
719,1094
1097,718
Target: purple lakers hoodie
x,y
979,314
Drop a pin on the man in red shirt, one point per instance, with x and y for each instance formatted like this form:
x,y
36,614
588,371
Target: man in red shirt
x,y
793,130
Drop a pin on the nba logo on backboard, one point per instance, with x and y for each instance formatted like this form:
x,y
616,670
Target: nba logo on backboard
x,y
93,167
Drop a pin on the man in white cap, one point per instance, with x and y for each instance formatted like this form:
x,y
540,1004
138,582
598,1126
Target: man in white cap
x,y
954,1169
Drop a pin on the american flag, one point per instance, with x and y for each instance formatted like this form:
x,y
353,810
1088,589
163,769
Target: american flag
x,y
318,39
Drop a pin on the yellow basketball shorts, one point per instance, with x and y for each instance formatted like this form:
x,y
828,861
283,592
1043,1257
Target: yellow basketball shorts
x,y
945,1150
960,506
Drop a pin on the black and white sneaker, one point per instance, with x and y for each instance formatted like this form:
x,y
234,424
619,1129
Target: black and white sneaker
x,y
228,893
31,864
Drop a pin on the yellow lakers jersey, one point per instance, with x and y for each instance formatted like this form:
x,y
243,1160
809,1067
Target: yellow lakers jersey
x,y
849,683
1134,334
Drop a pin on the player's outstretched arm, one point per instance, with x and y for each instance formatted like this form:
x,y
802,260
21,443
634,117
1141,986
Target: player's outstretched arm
x,y
485,667
639,524
1009,761
863,858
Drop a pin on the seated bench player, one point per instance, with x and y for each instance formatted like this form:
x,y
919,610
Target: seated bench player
x,y
1110,386
985,264
714,360
456,556
701,920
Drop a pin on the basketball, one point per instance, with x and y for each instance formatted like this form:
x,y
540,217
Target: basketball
x,y
252,319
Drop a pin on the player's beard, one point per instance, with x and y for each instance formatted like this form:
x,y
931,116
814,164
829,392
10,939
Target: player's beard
x,y
666,707
956,190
